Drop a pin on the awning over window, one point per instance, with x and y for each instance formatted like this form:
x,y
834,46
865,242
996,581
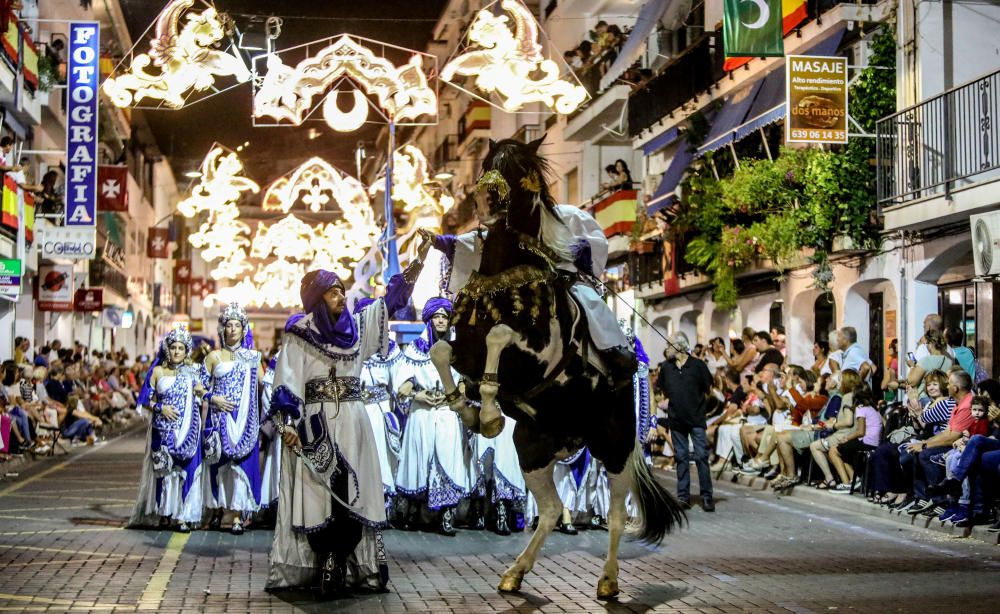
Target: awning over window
x,y
660,141
666,192
645,23
733,113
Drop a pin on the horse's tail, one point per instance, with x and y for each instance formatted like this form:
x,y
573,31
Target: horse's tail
x,y
659,511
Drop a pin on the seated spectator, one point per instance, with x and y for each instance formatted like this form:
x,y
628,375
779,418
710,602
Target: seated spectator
x,y
744,355
781,401
854,357
958,466
778,338
769,355
806,421
865,437
79,424
834,434
890,380
923,422
962,355
821,356
715,357
725,430
920,453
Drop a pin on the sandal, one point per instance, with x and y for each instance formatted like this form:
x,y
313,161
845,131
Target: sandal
x,y
827,485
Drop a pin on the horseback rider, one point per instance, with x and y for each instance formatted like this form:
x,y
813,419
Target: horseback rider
x,y
590,255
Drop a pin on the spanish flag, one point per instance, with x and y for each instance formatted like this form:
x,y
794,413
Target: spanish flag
x,y
30,61
617,212
793,12
29,217
10,39
9,218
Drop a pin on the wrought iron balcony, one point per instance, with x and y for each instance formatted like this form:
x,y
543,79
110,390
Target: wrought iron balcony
x,y
944,143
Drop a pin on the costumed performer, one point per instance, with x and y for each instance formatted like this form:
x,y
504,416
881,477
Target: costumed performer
x,y
433,471
499,485
270,443
331,508
232,434
170,489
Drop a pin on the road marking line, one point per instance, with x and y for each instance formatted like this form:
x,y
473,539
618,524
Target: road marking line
x,y
87,490
86,605
32,496
55,531
156,588
131,557
61,507
33,519
59,550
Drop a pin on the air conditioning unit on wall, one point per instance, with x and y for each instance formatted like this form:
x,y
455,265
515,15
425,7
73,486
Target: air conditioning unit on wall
x,y
986,243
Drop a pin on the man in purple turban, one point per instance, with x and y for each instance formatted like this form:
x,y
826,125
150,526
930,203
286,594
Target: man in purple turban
x,y
331,505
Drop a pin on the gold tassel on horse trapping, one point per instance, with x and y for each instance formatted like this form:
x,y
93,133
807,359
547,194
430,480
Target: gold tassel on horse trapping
x,y
472,318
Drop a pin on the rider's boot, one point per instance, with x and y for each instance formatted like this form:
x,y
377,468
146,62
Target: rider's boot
x,y
622,365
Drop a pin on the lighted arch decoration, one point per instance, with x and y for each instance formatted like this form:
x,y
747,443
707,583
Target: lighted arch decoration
x,y
502,57
315,183
412,184
221,184
288,94
183,58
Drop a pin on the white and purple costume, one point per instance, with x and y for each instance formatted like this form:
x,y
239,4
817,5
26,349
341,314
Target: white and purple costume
x,y
331,508
377,392
433,466
272,451
171,482
232,437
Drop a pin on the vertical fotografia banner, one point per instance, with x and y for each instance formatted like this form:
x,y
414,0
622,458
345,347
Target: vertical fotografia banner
x,y
816,100
81,123
753,28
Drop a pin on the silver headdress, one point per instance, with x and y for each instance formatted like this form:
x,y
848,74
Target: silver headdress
x,y
180,334
233,311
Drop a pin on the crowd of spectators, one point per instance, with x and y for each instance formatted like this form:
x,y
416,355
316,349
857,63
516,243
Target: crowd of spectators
x,y
927,443
69,393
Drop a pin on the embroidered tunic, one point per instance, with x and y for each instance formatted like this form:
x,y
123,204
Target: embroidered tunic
x,y
234,480
273,449
317,387
433,462
171,484
377,392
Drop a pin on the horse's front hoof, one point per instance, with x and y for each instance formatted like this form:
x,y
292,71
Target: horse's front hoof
x,y
607,588
510,583
492,428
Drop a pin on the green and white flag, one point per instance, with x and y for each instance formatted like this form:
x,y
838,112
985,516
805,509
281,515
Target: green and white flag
x,y
752,28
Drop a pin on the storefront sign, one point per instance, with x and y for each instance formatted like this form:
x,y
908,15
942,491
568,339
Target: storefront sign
x,y
88,299
81,123
70,243
55,287
114,254
10,279
816,99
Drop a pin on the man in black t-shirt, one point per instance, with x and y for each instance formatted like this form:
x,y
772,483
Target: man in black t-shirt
x,y
686,382
769,355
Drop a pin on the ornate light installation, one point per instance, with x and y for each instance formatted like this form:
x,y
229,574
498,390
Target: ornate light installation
x,y
412,184
183,58
289,94
315,182
504,56
221,184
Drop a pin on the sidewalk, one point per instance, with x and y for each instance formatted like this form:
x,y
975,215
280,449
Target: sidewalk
x,y
858,503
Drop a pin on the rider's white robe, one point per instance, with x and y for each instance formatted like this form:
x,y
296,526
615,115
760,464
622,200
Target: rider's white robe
x,y
604,329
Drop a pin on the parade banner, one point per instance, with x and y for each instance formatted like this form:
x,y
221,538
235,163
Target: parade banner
x,y
198,287
88,299
753,28
10,279
70,243
816,96
182,272
158,243
113,182
55,287
81,123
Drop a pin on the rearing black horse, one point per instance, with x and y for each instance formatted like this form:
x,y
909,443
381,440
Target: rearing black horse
x,y
518,309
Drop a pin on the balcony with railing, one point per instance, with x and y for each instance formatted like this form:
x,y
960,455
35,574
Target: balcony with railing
x,y
939,160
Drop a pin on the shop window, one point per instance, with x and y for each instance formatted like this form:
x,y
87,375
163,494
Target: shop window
x,y
957,306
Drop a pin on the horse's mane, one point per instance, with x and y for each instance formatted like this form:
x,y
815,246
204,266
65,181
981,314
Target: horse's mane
x,y
518,162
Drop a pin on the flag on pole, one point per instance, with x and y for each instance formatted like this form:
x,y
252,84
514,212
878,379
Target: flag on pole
x,y
158,243
10,202
793,12
112,188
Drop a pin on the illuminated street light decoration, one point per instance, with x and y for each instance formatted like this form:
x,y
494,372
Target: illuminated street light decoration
x,y
413,187
184,58
288,94
221,184
510,63
315,183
